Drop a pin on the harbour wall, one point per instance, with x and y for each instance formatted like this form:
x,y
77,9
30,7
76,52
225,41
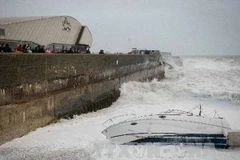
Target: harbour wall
x,y
38,89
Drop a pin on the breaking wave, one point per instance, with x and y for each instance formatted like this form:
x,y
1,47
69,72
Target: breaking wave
x,y
203,77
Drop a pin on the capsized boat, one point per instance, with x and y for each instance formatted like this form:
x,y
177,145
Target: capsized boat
x,y
168,128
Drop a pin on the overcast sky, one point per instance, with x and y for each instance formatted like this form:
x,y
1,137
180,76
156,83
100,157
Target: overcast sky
x,y
183,27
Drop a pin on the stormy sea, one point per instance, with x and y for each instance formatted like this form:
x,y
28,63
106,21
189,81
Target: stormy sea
x,y
210,81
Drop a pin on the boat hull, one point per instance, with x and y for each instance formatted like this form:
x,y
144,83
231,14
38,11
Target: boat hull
x,y
213,140
169,130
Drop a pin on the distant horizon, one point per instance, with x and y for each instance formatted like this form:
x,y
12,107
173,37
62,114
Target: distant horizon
x,y
180,27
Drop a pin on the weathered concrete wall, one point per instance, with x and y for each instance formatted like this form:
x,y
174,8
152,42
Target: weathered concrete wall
x,y
37,89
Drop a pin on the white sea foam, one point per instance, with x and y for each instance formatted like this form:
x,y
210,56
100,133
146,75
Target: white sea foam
x,y
212,82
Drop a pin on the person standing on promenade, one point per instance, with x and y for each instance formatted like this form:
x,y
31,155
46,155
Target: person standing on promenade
x,y
7,48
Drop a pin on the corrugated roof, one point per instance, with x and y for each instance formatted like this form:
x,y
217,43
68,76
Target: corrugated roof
x,y
10,20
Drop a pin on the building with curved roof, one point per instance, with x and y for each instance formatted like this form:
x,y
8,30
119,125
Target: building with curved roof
x,y
54,32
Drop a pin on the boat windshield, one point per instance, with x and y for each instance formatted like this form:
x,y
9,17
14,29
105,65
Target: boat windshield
x,y
175,112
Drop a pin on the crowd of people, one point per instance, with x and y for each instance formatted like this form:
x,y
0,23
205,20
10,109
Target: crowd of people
x,y
26,48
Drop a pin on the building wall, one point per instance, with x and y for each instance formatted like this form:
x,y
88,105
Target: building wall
x,y
86,39
35,90
45,30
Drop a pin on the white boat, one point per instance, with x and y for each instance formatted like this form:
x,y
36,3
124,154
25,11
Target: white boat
x,y
170,127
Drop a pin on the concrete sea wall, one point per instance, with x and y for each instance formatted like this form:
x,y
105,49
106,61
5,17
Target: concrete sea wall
x,y
37,89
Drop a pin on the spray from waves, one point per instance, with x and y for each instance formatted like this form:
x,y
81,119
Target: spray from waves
x,y
216,77
203,77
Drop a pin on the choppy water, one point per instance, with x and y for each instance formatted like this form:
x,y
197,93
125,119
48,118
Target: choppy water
x,y
213,82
